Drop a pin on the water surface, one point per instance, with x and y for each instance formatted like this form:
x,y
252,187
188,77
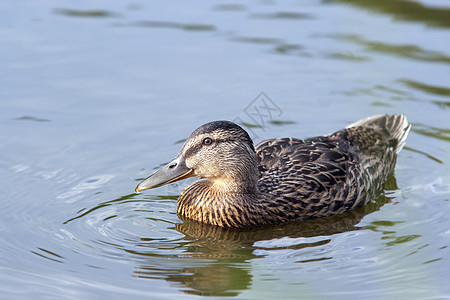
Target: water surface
x,y
96,96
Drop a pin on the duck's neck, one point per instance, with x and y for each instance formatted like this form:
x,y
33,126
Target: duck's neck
x,y
240,185
227,201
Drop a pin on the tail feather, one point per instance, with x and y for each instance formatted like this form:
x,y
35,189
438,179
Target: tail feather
x,y
395,127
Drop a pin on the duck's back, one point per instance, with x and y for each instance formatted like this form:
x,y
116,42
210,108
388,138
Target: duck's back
x,y
331,174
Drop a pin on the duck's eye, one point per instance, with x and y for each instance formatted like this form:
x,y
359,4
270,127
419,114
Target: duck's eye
x,y
207,141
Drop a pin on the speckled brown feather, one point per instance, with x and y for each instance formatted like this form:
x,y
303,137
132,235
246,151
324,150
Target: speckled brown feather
x,y
305,179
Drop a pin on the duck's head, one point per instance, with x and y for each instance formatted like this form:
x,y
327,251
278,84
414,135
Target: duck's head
x,y
220,151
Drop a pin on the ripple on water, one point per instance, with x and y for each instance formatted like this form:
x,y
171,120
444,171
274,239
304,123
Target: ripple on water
x,y
76,192
127,224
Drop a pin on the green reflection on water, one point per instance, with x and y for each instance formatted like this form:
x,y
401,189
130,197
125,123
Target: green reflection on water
x,y
424,153
85,13
432,261
390,234
256,40
285,48
386,223
31,118
400,239
283,15
380,104
442,104
229,7
349,56
175,25
406,10
404,51
430,131
47,254
431,89
280,122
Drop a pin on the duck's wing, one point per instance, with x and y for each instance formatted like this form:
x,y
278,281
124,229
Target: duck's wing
x,y
334,173
311,178
269,151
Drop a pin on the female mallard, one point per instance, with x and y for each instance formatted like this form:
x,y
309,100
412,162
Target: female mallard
x,y
282,179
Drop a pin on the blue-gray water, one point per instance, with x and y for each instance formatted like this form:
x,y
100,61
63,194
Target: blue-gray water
x,y
95,95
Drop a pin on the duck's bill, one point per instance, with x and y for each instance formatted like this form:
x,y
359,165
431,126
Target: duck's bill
x,y
173,171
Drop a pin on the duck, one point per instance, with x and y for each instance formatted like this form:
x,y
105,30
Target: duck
x,y
282,179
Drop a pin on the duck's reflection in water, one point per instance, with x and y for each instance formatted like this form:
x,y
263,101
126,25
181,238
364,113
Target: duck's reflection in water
x,y
215,261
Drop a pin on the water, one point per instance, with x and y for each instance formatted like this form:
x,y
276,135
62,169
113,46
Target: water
x,y
95,96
